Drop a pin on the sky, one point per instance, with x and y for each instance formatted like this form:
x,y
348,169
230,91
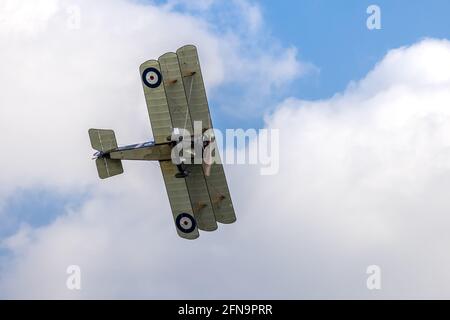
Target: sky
x,y
364,148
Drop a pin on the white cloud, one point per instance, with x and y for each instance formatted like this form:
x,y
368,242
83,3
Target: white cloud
x,y
363,177
252,14
25,17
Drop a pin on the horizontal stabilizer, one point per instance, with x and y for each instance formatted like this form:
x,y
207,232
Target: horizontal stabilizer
x,y
102,140
108,168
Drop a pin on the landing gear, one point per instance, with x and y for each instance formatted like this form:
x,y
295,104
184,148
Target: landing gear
x,y
182,171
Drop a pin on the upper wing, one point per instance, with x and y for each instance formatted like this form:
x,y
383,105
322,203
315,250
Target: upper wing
x,y
199,111
200,198
219,192
194,86
155,96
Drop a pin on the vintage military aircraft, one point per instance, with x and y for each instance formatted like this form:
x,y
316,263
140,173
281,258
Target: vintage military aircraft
x,y
176,98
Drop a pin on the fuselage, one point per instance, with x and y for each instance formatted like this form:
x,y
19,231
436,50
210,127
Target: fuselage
x,y
141,151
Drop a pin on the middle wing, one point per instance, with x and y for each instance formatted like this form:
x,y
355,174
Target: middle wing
x,y
179,111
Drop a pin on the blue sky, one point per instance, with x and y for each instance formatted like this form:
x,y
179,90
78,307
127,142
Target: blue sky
x,y
36,207
333,35
330,36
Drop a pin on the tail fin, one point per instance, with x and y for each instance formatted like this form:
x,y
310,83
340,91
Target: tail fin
x,y
105,141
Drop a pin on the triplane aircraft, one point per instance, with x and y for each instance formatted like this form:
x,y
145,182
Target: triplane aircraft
x,y
176,102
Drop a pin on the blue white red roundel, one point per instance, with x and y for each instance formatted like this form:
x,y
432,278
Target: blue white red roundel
x,y
185,223
151,77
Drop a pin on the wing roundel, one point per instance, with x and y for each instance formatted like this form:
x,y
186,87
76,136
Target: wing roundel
x,y
155,97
